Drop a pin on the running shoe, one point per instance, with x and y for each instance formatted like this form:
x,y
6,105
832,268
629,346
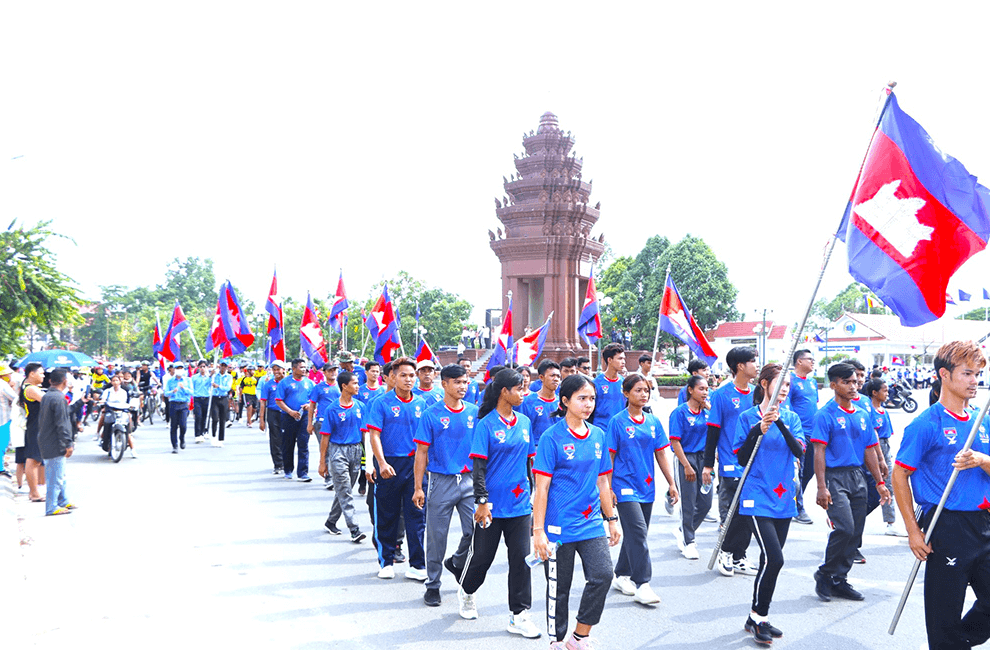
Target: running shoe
x,y
386,572
765,626
760,634
843,589
305,479
823,586
578,644
690,551
432,598
399,556
521,624
331,528
742,566
724,564
858,558
709,519
357,537
894,532
416,574
803,518
466,606
679,538
624,585
645,595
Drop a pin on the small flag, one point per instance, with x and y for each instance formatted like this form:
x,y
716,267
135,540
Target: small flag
x,y
590,321
948,299
338,313
870,303
986,294
915,215
964,297
819,339
529,347
311,336
170,342
156,344
500,355
276,332
229,332
425,352
896,361
676,319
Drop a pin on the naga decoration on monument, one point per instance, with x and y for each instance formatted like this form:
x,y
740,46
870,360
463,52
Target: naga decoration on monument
x,y
545,245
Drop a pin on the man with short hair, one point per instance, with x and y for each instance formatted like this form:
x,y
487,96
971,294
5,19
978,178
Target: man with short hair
x,y
201,387
425,371
341,425
178,389
55,441
609,399
271,414
320,397
371,387
695,367
292,396
645,368
443,446
584,363
568,367
220,404
803,400
540,406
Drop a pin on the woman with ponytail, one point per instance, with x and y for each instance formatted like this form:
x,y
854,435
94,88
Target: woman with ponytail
x,y
768,495
502,451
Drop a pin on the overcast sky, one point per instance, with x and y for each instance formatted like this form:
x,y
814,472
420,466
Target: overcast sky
x,y
374,137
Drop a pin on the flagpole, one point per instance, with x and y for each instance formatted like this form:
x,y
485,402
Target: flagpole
x,y
938,511
656,337
209,401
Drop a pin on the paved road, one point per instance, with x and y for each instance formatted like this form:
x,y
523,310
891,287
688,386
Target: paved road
x,y
207,548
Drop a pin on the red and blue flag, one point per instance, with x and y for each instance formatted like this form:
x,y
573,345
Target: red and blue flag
x,y
338,313
276,333
500,355
590,320
311,336
914,217
230,331
170,342
676,319
529,347
156,344
425,352
384,327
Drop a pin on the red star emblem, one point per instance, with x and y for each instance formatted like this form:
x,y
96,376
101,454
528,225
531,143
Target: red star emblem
x,y
649,479
587,513
466,470
518,491
985,505
780,490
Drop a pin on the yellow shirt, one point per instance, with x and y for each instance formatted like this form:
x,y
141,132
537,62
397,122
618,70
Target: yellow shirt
x,y
249,385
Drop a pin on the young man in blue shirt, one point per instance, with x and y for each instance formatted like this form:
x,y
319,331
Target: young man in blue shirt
x,y
271,415
292,396
220,403
609,399
843,439
443,446
425,371
341,426
371,388
803,400
201,386
540,406
178,388
959,548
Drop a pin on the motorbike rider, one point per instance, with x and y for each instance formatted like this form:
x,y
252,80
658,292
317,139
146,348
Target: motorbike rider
x,y
119,397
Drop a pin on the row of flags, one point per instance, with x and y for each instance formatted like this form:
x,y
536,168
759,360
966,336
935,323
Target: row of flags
x,y
964,297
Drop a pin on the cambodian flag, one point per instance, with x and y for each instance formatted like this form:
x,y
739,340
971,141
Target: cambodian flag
x,y
676,319
590,320
170,342
500,355
230,331
311,336
914,217
338,317
529,347
424,352
384,327
156,344
276,333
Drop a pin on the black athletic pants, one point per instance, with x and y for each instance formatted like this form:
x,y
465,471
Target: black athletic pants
x,y
770,535
481,553
960,557
200,411
739,535
597,564
273,420
219,412
847,485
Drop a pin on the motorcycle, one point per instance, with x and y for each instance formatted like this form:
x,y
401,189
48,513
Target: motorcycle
x,y
899,396
118,421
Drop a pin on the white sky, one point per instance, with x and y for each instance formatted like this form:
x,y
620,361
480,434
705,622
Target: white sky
x,y
374,137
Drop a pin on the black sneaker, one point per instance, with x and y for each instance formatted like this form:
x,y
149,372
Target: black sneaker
x,y
858,558
456,571
331,528
823,586
398,558
175,450
182,445
843,589
766,627
759,631
362,491
432,598
328,485
357,537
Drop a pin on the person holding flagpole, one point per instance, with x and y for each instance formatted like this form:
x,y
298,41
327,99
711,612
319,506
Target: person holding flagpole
x,y
220,409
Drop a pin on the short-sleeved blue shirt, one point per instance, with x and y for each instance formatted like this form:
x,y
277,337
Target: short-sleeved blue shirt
x,y
769,490
803,399
448,434
846,434
727,403
431,397
609,399
267,389
689,427
396,420
574,464
343,424
369,394
294,393
506,445
322,395
539,411
634,443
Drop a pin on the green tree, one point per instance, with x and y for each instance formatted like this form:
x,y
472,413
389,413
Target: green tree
x,y
980,313
851,299
34,292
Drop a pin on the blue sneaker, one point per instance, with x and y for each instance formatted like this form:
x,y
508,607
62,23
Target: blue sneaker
x,y
304,478
288,475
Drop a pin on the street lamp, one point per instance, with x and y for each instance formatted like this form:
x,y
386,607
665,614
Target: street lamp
x,y
761,331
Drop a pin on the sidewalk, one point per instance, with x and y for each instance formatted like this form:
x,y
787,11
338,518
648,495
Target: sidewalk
x,y
11,559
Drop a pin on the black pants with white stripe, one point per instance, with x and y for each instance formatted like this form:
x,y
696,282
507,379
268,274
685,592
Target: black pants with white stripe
x,y
770,534
481,554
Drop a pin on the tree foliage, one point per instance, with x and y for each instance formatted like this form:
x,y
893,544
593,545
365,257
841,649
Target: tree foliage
x,y
33,292
851,299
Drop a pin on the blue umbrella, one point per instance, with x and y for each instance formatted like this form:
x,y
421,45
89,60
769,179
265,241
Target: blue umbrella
x,y
58,359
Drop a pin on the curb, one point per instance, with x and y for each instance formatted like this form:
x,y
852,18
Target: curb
x,y
11,559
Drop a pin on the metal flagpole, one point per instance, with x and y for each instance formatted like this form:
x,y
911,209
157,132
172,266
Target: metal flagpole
x,y
938,511
656,338
196,343
209,402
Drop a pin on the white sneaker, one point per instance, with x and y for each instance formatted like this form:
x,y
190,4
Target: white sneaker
x,y
679,538
468,609
520,624
724,564
894,532
690,551
219,443
743,567
645,595
133,454
199,439
416,574
624,584
386,572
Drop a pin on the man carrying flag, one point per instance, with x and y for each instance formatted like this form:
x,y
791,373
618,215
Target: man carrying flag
x,y
384,327
311,336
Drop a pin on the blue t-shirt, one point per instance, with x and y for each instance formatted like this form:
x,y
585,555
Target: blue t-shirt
x,y
507,445
294,393
267,389
727,403
201,385
224,382
609,399
322,395
396,421
368,394
539,411
634,444
769,490
881,422
361,373
846,434
448,434
574,464
183,390
536,386
803,399
689,427
929,447
432,396
471,396
343,424
682,395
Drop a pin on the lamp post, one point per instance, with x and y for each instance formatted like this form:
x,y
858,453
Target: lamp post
x,y
761,331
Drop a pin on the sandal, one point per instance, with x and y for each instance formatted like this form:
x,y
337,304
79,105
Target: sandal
x,y
38,500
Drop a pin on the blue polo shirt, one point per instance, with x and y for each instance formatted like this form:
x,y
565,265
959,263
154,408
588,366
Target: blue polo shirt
x,y
472,393
322,395
634,443
539,411
343,423
368,394
396,421
609,399
448,435
294,393
507,445
929,447
881,422
574,464
266,391
432,396
846,434
689,427
803,399
201,385
728,402
769,490
183,391
223,382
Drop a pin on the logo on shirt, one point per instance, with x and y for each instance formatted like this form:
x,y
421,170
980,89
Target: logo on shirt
x,y
653,431
598,450
605,389
841,421
470,422
417,411
735,402
950,435
950,561
500,434
395,411
525,435
631,431
862,425
445,422
539,410
984,436
691,420
343,416
569,450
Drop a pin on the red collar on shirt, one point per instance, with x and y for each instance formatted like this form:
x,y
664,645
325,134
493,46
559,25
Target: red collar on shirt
x,y
698,412
548,401
641,421
741,392
578,436
343,406
956,416
508,423
453,410
844,410
405,401
611,380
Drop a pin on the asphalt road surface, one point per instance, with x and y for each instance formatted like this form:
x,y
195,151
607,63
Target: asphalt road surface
x,y
208,549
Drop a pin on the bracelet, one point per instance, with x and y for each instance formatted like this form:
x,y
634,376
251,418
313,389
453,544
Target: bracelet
x,y
612,518
880,483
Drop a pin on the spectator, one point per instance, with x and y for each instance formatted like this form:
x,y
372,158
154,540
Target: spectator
x,y
55,441
7,398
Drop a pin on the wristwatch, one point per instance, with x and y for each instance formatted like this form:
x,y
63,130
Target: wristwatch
x,y
612,518
481,501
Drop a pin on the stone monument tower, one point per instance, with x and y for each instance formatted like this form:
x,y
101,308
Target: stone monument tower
x,y
547,250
